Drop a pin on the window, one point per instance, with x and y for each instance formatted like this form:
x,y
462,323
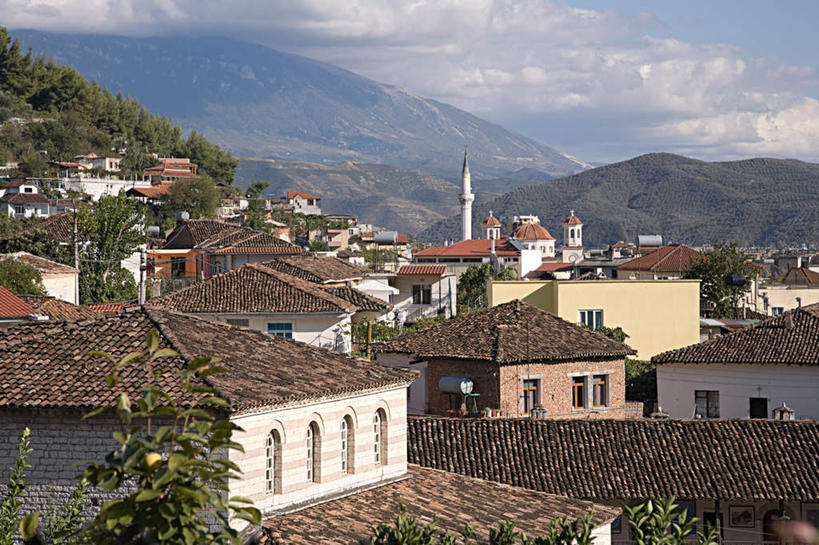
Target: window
x,y
571,234
593,319
313,447
273,463
578,392
776,311
347,445
178,267
281,330
758,407
706,403
239,322
531,395
380,437
421,294
19,209
600,391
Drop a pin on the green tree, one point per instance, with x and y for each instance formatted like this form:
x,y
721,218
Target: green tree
x,y
659,522
472,286
15,490
641,380
318,245
713,270
110,231
256,189
212,160
197,196
20,278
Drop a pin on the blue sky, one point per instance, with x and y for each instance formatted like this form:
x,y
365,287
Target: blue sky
x,y
604,81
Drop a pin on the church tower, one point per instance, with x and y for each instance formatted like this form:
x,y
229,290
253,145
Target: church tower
x,y
572,250
466,197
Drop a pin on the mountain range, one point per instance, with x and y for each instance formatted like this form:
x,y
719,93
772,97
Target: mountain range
x,y
754,202
259,102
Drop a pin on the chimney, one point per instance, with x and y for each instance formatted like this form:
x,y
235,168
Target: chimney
x,y
789,320
182,216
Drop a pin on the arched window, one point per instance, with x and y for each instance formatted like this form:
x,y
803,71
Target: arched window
x,y
571,234
380,437
273,463
347,445
313,446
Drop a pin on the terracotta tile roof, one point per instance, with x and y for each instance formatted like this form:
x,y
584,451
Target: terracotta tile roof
x,y
572,220
57,309
491,221
47,364
801,276
301,194
532,231
107,308
151,192
664,259
471,248
422,270
545,270
226,238
509,333
610,459
321,270
45,266
252,288
59,228
24,198
791,338
12,306
402,239
451,500
361,300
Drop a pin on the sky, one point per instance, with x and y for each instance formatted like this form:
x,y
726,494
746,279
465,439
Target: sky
x,y
600,80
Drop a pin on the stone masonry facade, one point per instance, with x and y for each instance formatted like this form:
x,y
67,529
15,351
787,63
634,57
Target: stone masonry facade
x,y
501,387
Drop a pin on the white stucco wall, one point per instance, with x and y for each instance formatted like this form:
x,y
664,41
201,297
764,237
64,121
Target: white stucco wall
x,y
326,330
292,424
796,386
417,394
443,295
61,286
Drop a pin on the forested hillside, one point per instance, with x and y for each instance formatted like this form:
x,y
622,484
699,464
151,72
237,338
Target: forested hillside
x,y
754,202
49,112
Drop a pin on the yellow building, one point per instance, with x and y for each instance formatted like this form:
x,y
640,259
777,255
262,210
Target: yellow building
x,y
657,315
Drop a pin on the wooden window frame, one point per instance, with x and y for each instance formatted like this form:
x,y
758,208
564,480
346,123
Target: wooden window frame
x,y
601,381
534,387
579,383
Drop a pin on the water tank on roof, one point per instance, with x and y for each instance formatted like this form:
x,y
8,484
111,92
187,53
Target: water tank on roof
x,y
455,385
649,240
386,237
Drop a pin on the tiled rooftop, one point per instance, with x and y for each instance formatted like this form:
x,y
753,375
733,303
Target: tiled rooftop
x,y
509,333
791,338
12,307
670,259
221,237
451,500
610,459
57,309
321,270
47,364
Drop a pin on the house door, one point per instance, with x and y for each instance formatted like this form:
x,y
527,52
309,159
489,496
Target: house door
x,y
758,407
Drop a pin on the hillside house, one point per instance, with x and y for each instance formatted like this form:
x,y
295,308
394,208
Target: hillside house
x,y
747,373
198,249
304,203
742,475
664,263
22,200
460,256
264,299
424,291
516,358
60,281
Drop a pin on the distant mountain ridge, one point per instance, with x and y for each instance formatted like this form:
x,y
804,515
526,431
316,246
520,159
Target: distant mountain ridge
x,y
260,102
754,202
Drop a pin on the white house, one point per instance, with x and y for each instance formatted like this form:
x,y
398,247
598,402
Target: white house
x,y
424,291
264,299
60,281
304,203
748,373
23,200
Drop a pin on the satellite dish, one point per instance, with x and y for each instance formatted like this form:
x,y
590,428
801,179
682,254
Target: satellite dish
x,y
390,316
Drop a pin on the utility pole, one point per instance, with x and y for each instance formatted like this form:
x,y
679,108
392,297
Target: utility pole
x,y
142,268
76,254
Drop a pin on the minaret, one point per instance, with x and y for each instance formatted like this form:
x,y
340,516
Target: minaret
x,y
466,197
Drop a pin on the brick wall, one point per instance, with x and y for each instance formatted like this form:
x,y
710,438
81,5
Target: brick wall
x,y
500,387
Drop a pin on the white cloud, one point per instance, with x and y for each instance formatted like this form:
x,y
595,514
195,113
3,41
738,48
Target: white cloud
x,y
594,83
